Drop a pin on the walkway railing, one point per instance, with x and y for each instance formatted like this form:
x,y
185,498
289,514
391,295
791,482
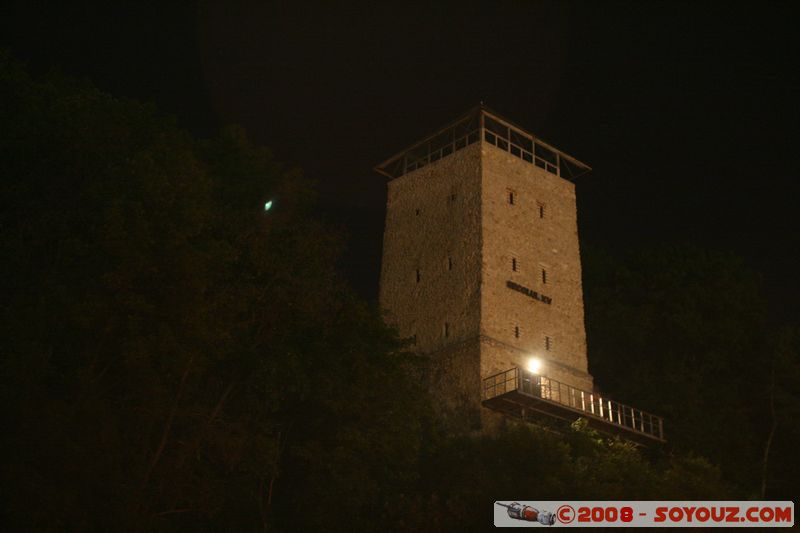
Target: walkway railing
x,y
590,404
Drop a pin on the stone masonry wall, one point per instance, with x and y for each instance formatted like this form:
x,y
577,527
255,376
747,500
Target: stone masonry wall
x,y
517,233
433,225
451,224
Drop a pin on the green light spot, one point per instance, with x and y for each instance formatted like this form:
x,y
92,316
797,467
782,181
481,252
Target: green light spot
x,y
268,206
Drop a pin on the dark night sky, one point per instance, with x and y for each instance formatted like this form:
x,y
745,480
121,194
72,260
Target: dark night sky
x,y
687,114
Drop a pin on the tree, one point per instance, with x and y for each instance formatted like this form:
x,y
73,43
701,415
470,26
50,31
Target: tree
x,y
683,333
463,477
175,356
779,472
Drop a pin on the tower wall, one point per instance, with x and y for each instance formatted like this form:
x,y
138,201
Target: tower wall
x,y
446,229
520,235
453,243
433,225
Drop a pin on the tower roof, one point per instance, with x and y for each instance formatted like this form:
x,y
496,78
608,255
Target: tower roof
x,y
480,122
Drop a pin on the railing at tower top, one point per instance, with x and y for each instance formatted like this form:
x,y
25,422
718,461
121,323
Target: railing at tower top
x,y
482,124
544,394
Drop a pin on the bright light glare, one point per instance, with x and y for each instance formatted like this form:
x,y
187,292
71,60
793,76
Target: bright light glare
x,y
268,206
534,365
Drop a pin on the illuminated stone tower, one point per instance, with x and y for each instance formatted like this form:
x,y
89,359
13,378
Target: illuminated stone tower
x,y
481,263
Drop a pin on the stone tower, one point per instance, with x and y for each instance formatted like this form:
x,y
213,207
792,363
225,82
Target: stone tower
x,y
481,262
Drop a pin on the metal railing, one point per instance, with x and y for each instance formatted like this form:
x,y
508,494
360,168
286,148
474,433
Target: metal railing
x,y
447,141
520,144
481,125
545,388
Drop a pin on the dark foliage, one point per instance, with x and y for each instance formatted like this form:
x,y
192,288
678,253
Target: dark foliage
x,y
175,357
173,354
683,332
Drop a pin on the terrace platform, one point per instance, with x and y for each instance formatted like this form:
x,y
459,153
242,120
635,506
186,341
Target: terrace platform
x,y
522,394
